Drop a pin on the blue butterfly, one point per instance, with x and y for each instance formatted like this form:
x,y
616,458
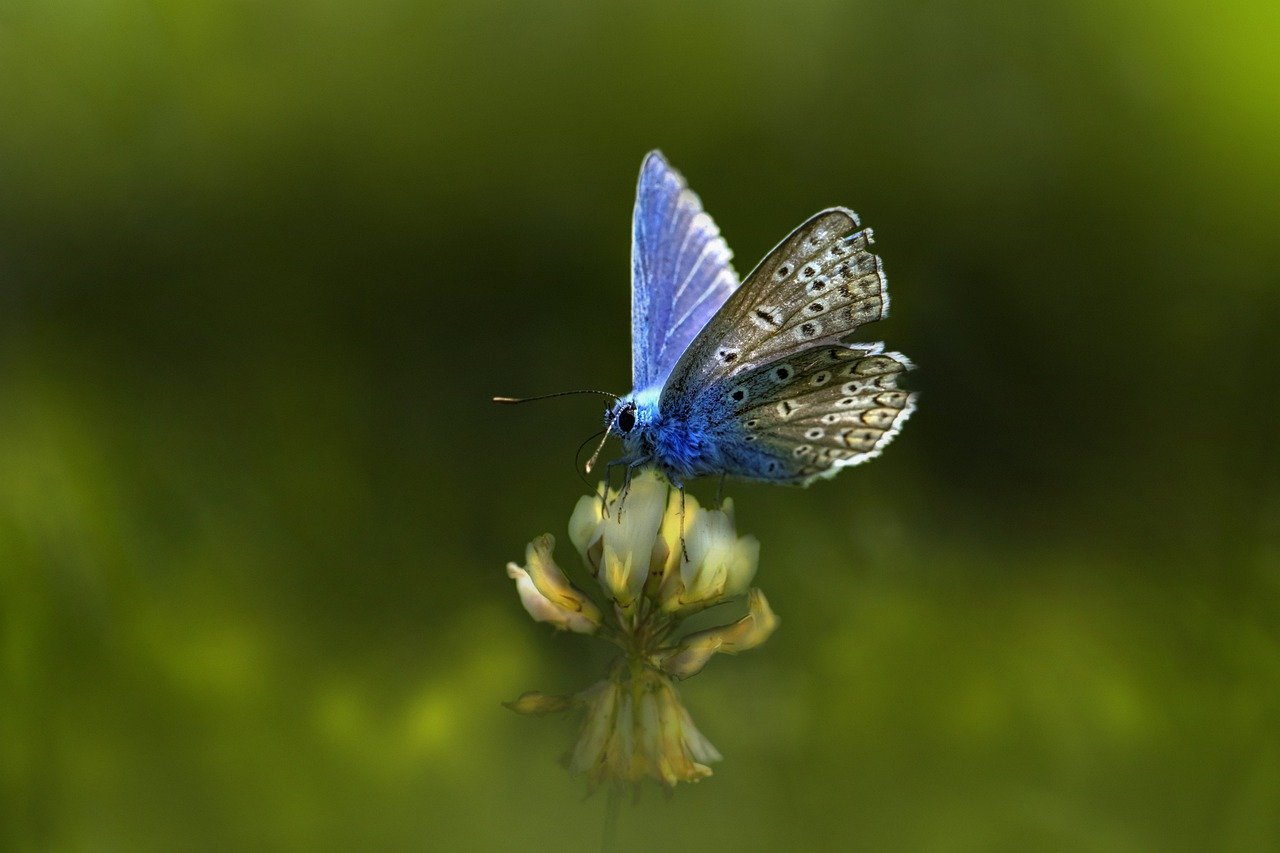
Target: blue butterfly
x,y
752,380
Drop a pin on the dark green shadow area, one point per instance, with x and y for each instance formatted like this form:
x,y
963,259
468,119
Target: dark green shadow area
x,y
263,264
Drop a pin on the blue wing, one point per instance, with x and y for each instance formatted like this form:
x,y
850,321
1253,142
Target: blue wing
x,y
680,272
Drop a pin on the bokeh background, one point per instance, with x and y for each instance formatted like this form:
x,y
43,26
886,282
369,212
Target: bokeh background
x,y
262,265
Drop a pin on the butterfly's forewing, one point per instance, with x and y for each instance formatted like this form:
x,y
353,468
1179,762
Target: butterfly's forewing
x,y
815,288
817,411
680,272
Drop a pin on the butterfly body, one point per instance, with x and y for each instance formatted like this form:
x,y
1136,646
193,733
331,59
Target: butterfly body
x,y
755,380
681,445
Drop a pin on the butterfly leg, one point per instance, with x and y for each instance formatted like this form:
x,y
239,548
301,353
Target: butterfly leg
x,y
608,483
626,487
684,549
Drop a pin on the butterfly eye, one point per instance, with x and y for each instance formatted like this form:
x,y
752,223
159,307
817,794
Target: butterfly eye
x,y
627,419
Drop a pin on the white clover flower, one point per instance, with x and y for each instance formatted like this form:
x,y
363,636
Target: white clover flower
x,y
658,556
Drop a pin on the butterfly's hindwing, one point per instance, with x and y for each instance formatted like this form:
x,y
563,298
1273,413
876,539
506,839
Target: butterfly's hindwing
x,y
819,410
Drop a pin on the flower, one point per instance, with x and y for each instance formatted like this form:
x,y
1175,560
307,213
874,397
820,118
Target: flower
x,y
619,540
547,594
748,632
658,557
718,563
639,729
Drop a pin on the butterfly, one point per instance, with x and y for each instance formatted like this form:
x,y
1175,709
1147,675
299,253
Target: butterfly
x,y
752,380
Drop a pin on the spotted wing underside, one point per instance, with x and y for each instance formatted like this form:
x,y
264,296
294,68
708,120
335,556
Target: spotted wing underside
x,y
817,411
813,290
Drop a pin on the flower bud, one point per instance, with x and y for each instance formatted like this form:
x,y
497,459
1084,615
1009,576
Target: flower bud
x,y
748,632
534,702
547,594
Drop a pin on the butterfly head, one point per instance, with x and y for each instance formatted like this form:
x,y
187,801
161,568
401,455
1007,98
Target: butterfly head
x,y
626,419
623,419
631,415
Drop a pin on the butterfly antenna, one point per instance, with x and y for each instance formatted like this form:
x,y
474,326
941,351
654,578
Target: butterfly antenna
x,y
613,397
582,475
591,463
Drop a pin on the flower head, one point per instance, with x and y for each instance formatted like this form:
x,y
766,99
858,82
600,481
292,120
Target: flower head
x,y
658,556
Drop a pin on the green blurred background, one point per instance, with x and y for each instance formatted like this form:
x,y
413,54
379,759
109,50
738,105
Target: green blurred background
x,y
262,265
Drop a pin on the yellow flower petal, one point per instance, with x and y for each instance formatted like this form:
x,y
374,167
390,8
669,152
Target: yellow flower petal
x,y
692,655
631,536
543,609
589,752
552,583
751,630
585,529
715,563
